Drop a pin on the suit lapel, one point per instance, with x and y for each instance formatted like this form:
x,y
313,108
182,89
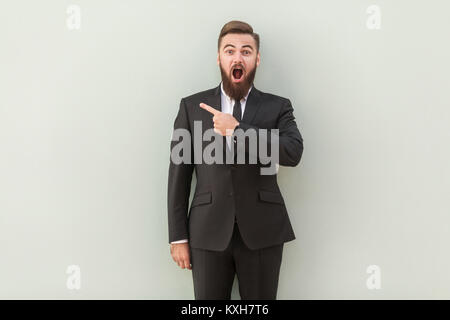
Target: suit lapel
x,y
215,100
251,106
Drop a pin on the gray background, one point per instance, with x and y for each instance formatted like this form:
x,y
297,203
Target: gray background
x,y
86,118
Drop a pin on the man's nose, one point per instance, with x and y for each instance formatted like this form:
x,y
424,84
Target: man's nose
x,y
238,58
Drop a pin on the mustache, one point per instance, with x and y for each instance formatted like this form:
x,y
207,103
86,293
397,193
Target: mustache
x,y
237,65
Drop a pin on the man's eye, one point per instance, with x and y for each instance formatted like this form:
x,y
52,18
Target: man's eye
x,y
229,51
247,52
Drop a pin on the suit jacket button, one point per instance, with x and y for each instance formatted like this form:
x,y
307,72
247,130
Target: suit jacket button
x,y
230,194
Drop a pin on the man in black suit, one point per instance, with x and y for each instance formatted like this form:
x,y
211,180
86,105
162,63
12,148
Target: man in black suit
x,y
237,222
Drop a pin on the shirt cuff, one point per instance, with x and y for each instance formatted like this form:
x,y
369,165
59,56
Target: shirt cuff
x,y
180,241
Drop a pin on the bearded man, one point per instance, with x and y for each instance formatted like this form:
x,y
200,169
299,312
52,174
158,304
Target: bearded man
x,y
237,222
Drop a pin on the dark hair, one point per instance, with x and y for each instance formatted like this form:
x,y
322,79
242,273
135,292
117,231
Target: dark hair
x,y
238,27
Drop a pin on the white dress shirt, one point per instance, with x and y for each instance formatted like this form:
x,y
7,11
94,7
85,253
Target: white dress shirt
x,y
227,107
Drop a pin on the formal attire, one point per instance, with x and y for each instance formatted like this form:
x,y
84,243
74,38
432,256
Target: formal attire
x,y
228,106
237,221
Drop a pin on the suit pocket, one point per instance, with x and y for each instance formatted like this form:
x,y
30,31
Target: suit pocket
x,y
269,196
201,198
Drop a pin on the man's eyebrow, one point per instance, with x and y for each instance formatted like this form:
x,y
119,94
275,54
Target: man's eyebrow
x,y
244,46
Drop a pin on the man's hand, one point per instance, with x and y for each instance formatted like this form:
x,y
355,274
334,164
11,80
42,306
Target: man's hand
x,y
224,123
180,254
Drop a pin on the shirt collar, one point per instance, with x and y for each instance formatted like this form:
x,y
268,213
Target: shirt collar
x,y
228,98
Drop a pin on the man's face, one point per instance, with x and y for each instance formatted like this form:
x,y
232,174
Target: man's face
x,y
238,60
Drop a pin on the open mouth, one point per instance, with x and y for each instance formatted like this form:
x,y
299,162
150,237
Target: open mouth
x,y
238,74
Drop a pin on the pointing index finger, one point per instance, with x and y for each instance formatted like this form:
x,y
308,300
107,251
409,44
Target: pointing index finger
x,y
209,108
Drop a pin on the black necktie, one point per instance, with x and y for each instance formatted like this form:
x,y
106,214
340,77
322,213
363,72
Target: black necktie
x,y
237,112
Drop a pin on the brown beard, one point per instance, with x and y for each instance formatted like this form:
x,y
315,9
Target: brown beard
x,y
239,90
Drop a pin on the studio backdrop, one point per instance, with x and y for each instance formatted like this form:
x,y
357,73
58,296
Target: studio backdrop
x,y
89,91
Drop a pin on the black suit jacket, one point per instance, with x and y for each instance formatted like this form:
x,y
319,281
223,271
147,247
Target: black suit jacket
x,y
224,191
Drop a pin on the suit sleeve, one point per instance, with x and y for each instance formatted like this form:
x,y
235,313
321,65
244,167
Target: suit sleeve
x,y
179,184
290,141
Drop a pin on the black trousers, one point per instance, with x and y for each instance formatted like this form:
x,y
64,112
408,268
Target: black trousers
x,y
257,271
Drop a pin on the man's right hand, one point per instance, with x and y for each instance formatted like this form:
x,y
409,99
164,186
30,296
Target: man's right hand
x,y
180,254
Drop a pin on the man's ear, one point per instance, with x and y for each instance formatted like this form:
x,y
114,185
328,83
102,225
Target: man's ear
x,y
257,59
218,60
